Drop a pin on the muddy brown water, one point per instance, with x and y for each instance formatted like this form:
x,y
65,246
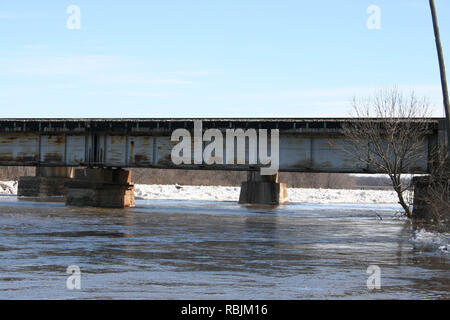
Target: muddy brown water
x,y
214,250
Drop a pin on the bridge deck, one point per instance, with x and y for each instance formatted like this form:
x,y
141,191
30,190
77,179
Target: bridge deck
x,y
305,144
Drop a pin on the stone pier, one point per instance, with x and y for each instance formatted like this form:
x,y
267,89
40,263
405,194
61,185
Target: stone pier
x,y
48,182
98,187
260,189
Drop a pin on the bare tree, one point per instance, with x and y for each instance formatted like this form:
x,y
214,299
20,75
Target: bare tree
x,y
435,191
388,136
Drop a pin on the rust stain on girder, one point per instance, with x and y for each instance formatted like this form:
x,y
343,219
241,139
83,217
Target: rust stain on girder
x,y
20,157
141,158
59,140
52,157
7,157
303,164
166,160
26,157
117,139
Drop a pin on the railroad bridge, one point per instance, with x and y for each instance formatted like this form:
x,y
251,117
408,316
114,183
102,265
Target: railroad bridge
x,y
100,149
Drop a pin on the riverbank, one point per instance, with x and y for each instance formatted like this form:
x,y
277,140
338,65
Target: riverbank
x,y
215,193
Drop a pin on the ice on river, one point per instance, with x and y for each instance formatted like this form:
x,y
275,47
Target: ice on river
x,y
217,193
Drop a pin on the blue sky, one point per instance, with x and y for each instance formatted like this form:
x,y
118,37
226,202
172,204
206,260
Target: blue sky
x,y
213,58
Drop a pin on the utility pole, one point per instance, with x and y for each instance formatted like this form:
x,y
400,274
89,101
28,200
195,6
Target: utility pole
x,y
442,71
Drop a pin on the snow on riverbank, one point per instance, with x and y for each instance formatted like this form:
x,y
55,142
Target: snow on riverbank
x,y
8,187
209,193
213,193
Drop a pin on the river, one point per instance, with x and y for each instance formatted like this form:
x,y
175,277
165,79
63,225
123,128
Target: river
x,y
165,249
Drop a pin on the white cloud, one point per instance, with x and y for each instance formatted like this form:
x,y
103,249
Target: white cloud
x,y
191,73
61,65
23,16
129,93
92,68
335,92
320,102
35,46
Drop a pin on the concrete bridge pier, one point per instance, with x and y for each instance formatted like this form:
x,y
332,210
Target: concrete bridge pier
x,y
48,182
99,187
261,189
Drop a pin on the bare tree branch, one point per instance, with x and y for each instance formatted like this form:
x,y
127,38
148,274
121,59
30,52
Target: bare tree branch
x,y
391,136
